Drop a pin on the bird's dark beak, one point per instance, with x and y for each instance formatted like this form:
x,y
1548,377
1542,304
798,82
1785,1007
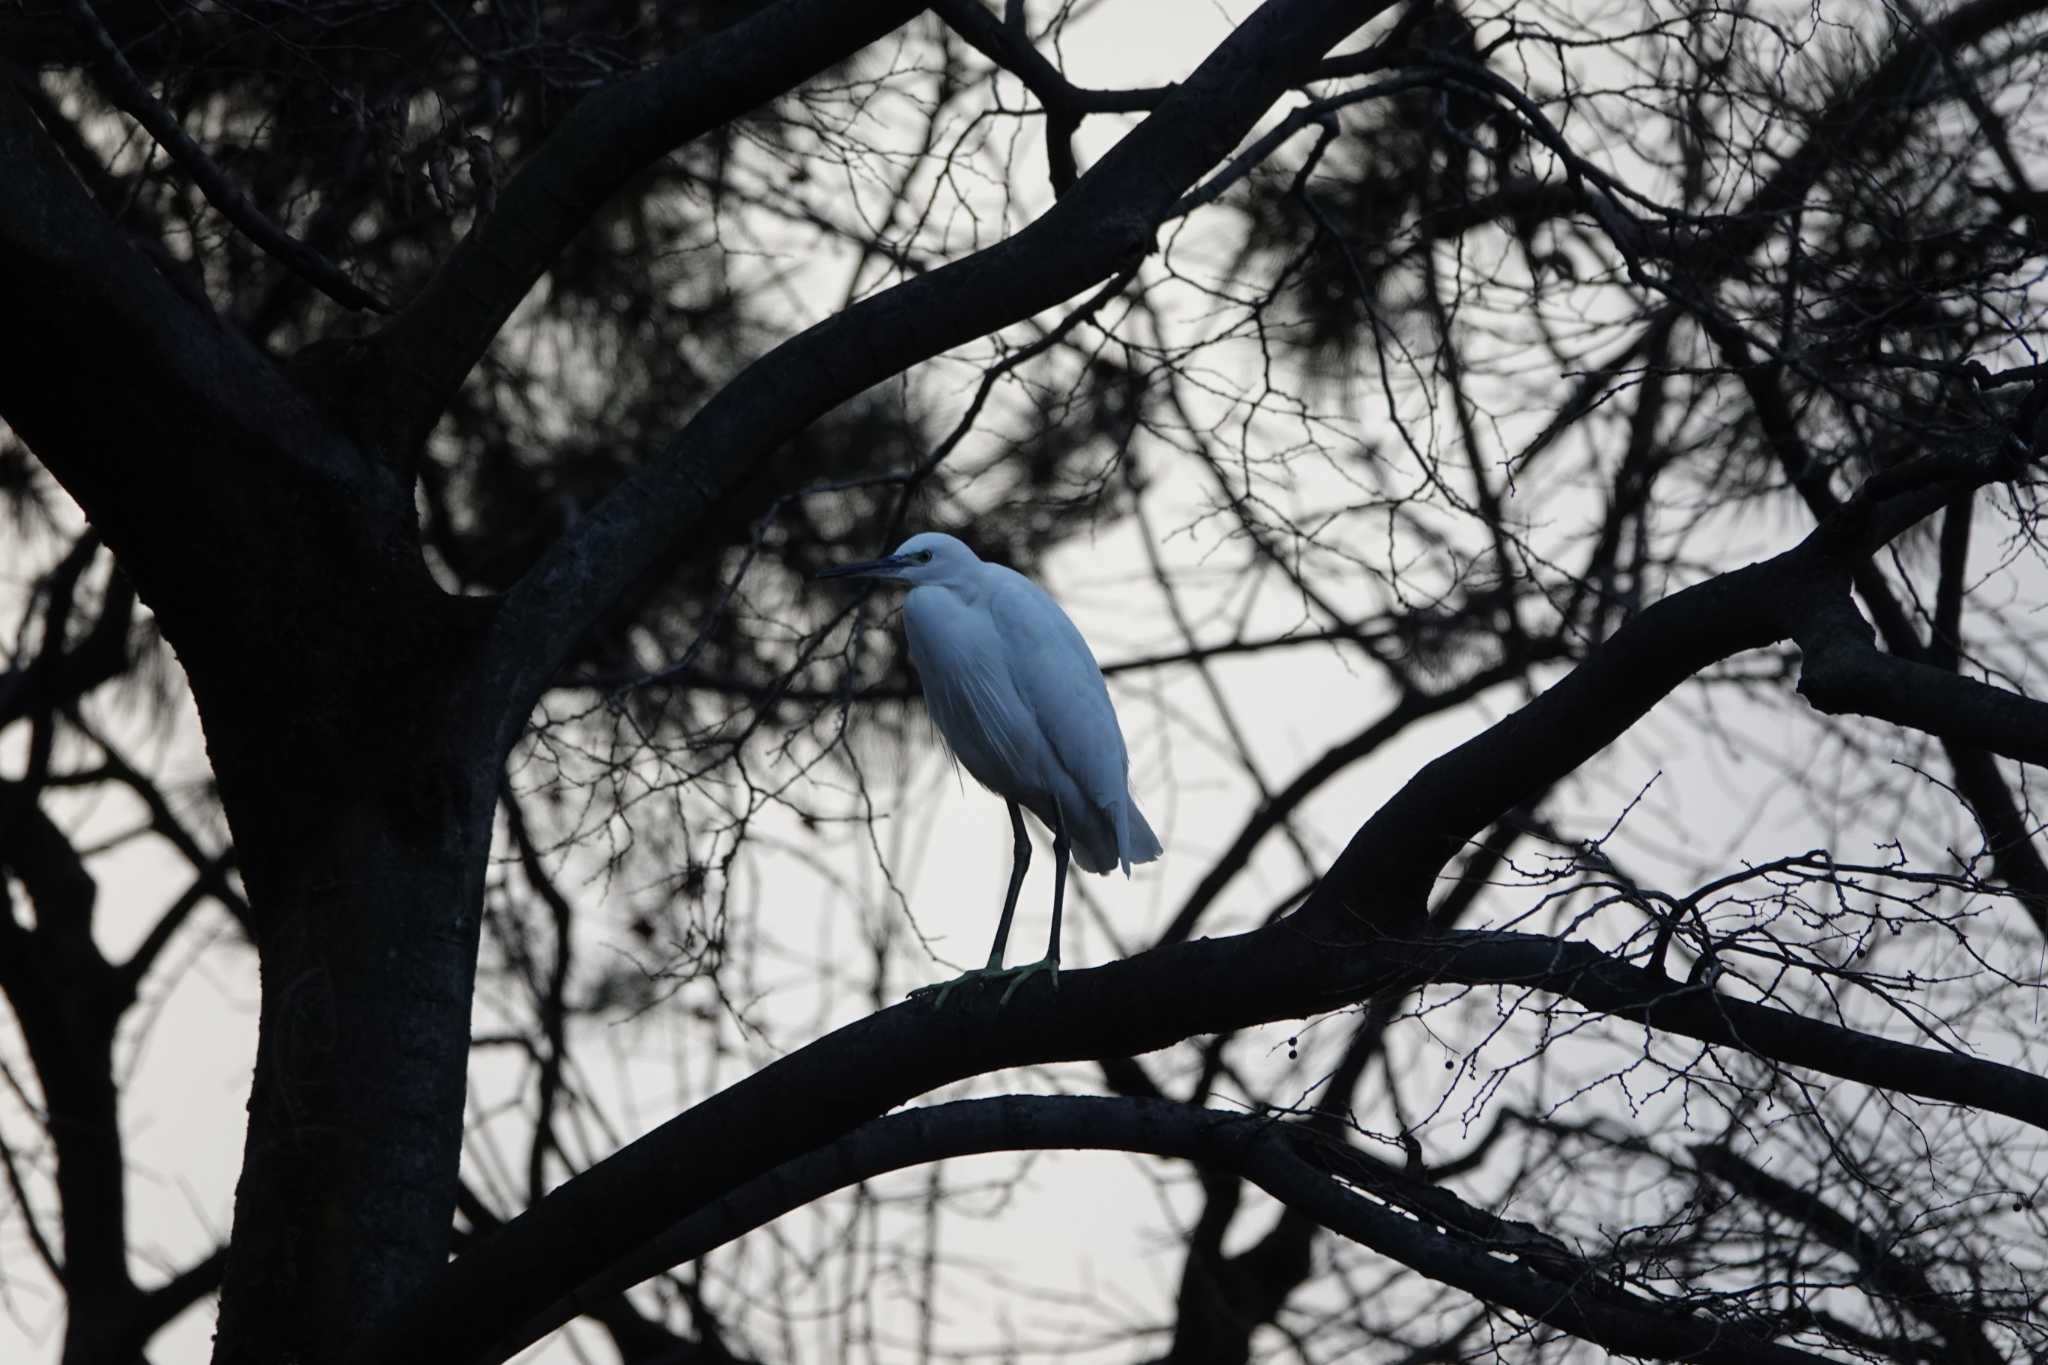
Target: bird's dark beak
x,y
886,567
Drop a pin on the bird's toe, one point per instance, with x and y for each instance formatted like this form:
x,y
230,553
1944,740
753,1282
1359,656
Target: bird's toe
x,y
939,990
1019,975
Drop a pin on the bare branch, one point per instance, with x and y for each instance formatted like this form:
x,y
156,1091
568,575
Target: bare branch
x,y
1799,594
1271,813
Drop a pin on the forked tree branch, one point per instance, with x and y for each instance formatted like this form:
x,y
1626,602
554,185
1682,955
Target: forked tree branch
x,y
1845,673
166,1301
2011,837
1064,103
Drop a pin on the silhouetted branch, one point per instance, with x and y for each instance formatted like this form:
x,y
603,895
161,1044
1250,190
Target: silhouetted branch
x,y
1452,1242
175,1295
1064,102
811,1096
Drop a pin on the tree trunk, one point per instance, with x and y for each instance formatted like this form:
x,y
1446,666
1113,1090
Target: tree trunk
x,y
359,776
369,915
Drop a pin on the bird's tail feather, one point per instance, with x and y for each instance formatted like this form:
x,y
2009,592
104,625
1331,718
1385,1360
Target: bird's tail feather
x,y
1104,842
1109,844
1140,844
1095,846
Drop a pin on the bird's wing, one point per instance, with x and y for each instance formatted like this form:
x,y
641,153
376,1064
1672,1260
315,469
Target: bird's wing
x,y
960,658
1056,676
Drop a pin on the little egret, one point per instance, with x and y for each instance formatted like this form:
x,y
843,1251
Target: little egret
x,y
1020,701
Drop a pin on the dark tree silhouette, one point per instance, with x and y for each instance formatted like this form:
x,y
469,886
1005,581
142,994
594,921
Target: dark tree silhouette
x,y
451,403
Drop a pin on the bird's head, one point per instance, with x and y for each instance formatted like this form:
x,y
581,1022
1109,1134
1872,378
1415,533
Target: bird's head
x,y
928,557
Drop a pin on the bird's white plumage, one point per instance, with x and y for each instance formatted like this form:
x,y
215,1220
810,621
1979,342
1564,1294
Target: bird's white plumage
x,y
1018,697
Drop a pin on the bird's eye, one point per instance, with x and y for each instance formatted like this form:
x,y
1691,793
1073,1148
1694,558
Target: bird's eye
x,y
923,556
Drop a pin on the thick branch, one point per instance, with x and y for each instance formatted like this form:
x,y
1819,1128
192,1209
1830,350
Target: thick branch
x,y
637,1336
2014,856
1410,709
1392,862
1845,672
154,414
1456,1244
1802,594
817,1093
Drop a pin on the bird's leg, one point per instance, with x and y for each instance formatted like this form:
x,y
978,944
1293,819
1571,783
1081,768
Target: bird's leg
x,y
1020,859
1062,845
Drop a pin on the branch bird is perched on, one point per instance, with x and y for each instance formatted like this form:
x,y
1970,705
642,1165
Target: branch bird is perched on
x,y
1020,701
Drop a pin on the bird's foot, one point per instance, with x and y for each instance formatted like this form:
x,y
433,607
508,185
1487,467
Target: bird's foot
x,y
939,990
1049,965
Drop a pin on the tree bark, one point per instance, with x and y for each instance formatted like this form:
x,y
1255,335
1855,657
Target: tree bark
x,y
368,951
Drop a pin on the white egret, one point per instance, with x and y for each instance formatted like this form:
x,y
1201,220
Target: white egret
x,y
1019,699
